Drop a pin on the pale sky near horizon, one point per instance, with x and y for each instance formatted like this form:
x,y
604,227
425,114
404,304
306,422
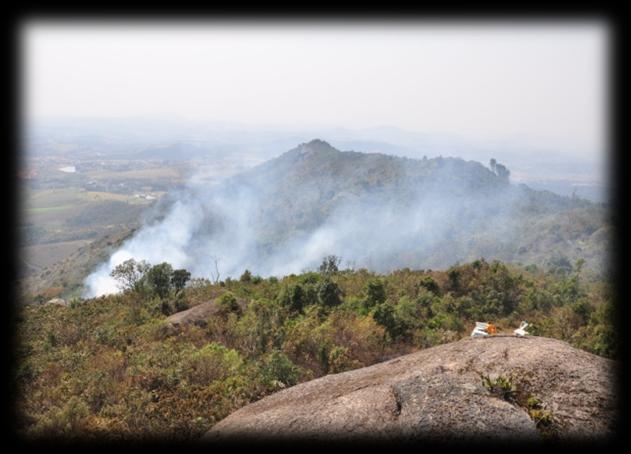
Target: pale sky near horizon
x,y
543,84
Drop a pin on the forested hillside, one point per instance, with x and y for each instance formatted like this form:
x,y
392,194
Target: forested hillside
x,y
376,211
415,213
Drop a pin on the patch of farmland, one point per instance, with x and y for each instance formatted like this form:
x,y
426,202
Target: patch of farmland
x,y
43,255
156,173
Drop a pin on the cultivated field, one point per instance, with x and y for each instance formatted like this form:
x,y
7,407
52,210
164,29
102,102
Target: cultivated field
x,y
43,255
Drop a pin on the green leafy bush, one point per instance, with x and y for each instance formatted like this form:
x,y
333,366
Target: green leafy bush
x,y
278,369
211,362
227,303
329,293
375,293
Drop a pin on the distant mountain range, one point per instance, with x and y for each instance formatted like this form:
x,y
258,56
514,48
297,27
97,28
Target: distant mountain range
x,y
560,170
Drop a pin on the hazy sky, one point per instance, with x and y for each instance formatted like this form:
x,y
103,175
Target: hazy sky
x,y
544,85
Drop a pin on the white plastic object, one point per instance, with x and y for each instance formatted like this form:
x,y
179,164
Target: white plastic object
x,y
480,330
521,331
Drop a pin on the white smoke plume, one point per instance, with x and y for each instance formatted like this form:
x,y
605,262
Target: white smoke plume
x,y
274,221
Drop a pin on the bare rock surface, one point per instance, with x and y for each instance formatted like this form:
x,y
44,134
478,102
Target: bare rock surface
x,y
58,302
438,392
195,315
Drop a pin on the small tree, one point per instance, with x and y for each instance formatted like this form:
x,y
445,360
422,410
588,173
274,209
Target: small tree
x,y
499,170
454,278
329,293
502,172
330,265
384,315
130,274
215,275
294,298
159,279
375,293
297,298
179,278
246,276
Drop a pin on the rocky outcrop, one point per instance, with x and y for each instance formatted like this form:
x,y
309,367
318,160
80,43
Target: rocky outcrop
x,y
195,315
198,314
57,302
439,393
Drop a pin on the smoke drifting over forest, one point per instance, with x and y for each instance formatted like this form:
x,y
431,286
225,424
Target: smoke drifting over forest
x,y
375,211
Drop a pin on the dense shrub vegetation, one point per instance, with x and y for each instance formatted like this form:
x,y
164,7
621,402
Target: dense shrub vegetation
x,y
109,367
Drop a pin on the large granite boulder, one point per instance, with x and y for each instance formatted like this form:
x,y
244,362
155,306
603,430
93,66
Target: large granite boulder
x,y
58,302
439,393
195,315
